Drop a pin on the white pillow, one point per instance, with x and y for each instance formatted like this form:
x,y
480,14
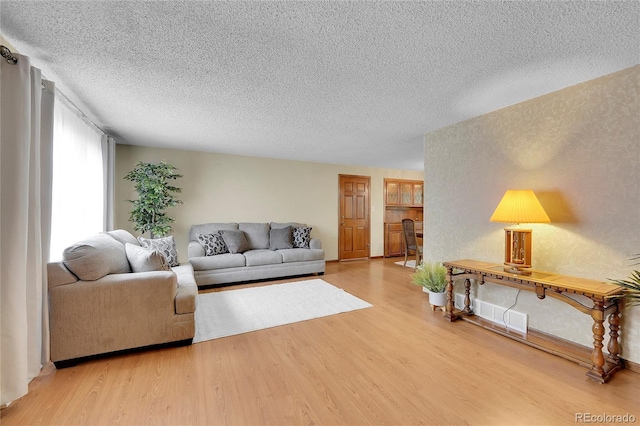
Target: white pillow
x,y
145,260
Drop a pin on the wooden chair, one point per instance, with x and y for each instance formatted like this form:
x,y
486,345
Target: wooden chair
x,y
411,241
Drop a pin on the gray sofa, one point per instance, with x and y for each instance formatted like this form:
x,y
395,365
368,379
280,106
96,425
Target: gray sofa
x,y
98,305
260,260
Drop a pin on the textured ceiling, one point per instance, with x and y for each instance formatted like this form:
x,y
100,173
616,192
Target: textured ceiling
x,y
337,82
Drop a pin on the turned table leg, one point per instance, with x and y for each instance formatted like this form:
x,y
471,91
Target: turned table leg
x,y
467,297
597,358
614,363
448,313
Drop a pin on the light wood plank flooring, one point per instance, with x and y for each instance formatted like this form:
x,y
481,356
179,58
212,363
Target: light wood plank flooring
x,y
398,363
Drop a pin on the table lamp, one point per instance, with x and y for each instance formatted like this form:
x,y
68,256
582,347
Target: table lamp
x,y
518,206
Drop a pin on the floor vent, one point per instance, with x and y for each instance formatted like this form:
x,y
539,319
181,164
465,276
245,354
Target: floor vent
x,y
514,320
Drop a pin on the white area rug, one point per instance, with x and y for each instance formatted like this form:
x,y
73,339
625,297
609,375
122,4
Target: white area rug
x,y
230,312
410,263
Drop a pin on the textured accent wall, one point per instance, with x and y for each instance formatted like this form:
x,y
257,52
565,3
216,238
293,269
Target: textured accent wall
x,y
579,150
233,188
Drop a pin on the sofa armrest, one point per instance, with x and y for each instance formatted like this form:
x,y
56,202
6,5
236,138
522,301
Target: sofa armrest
x,y
187,289
58,274
315,243
195,249
116,312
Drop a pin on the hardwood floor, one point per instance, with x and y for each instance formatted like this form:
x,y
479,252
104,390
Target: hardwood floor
x,y
397,363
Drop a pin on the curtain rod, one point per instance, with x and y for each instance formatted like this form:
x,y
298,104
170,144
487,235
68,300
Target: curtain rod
x,y
6,53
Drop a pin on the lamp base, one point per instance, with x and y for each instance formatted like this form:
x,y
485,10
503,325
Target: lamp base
x,y
517,269
517,247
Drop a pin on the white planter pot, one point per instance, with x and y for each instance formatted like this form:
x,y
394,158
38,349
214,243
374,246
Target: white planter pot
x,y
437,299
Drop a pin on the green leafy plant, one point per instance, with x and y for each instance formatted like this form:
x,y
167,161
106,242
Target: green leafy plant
x,y
631,294
155,195
430,275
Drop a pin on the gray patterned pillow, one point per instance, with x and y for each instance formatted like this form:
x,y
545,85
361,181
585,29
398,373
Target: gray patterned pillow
x,y
213,243
301,237
166,246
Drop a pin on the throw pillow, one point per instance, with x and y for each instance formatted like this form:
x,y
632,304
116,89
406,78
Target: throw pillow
x,y
166,246
213,243
236,241
280,238
301,237
95,257
123,237
145,260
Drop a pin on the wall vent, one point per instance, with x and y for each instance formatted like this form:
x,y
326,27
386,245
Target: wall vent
x,y
515,320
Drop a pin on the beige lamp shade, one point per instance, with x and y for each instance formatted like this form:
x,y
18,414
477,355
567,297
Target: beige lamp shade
x,y
520,206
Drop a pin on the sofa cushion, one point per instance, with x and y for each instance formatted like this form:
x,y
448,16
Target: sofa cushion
x,y
262,257
95,257
123,236
145,260
257,234
278,225
209,228
213,243
301,255
315,243
221,261
166,246
236,241
301,237
280,238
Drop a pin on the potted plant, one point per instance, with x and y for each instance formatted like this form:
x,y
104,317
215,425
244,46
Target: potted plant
x,y
631,285
431,276
155,195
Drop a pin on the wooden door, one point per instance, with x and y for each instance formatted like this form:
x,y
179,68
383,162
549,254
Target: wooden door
x,y
353,220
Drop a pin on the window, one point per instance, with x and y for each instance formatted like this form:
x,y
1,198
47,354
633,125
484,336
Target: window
x,y
78,179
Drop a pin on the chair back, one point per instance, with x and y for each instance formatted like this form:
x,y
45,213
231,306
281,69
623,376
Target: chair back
x,y
409,231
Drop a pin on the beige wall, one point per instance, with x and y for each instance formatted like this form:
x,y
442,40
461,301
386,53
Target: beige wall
x,y
579,150
228,188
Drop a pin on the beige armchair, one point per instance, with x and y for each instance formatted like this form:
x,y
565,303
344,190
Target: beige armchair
x,y
117,311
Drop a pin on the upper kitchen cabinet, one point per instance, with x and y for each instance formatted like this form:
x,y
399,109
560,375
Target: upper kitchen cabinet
x,y
403,193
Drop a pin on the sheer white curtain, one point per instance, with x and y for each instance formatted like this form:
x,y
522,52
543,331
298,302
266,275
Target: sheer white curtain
x,y
78,179
25,158
108,173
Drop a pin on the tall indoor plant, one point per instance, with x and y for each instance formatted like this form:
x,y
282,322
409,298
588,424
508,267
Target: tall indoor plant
x,y
432,277
155,195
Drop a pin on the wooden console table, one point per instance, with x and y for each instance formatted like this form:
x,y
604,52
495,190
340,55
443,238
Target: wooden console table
x,y
556,286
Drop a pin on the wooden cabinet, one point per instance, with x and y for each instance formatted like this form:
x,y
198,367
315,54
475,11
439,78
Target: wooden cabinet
x,y
403,199
394,239
405,193
392,192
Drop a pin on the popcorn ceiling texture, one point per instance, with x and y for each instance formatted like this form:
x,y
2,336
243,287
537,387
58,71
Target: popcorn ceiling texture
x,y
337,82
579,150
